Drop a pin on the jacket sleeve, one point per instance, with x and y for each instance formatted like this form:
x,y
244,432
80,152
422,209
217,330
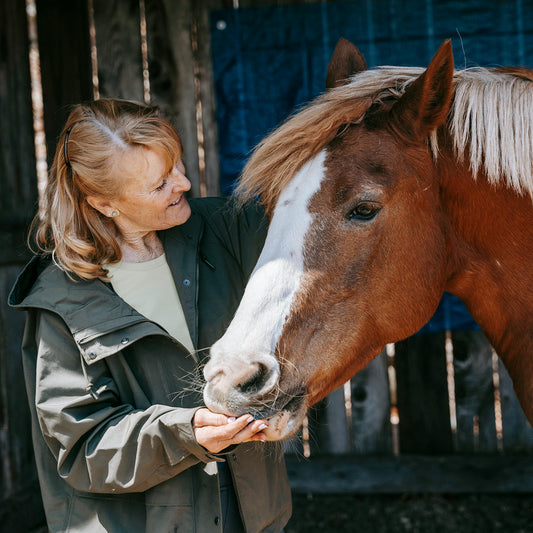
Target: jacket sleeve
x,y
100,443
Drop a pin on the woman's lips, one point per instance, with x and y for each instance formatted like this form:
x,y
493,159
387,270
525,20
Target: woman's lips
x,y
177,202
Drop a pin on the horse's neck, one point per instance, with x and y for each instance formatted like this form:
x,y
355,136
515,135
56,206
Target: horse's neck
x,y
490,269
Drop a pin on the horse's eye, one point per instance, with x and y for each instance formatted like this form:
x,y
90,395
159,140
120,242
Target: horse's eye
x,y
363,211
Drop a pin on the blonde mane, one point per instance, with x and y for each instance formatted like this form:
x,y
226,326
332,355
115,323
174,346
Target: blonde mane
x,y
491,119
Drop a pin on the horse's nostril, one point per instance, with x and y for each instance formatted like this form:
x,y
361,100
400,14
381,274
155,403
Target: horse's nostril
x,y
216,378
255,382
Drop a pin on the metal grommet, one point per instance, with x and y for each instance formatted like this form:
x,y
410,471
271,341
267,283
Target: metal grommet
x,y
125,340
92,355
186,282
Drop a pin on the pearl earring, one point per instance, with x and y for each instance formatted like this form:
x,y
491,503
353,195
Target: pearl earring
x,y
114,214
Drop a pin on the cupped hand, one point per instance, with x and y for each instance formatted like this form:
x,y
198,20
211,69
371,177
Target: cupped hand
x,y
215,431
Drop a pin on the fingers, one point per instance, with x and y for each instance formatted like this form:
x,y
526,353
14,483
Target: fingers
x,y
251,429
217,437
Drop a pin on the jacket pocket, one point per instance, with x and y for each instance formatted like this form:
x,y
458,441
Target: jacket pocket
x,y
170,519
106,513
170,505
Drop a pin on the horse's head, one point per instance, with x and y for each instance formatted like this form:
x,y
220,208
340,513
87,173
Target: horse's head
x,y
355,253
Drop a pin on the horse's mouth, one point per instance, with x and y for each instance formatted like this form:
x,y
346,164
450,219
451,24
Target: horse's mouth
x,y
292,406
288,402
284,413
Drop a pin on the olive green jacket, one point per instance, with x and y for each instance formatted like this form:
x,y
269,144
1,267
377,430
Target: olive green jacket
x,y
112,394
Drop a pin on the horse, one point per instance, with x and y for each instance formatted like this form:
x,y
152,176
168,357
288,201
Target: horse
x,y
394,185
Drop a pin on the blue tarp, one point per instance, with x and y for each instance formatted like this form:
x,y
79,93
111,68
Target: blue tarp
x,y
269,61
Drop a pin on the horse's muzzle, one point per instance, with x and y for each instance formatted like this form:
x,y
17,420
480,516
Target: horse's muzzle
x,y
235,386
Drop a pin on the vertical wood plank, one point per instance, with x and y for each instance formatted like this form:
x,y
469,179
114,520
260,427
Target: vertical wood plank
x,y
371,428
202,57
517,431
170,60
20,501
424,413
18,181
474,392
368,431
15,413
64,47
118,43
327,426
334,437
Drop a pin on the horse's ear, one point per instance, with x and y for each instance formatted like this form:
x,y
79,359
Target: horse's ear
x,y
345,62
426,102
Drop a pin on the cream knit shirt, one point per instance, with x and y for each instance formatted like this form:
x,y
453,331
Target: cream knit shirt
x,y
150,289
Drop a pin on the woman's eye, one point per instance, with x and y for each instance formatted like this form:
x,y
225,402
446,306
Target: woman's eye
x,y
162,186
363,211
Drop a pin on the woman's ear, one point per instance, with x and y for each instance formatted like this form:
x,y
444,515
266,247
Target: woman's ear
x,y
101,205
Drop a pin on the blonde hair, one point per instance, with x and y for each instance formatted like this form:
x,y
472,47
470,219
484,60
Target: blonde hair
x,y
78,237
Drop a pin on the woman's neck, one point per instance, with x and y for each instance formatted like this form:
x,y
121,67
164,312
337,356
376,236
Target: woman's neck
x,y
138,248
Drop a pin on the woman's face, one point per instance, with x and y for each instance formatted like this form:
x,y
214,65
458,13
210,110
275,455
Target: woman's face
x,y
150,198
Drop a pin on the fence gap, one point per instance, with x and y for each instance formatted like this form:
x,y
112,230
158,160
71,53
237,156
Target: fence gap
x,y
199,111
37,102
393,395
94,51
450,375
498,418
348,413
475,432
305,437
144,53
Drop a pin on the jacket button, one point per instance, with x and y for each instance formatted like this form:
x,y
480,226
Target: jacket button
x,y
92,355
233,456
186,282
125,340
217,520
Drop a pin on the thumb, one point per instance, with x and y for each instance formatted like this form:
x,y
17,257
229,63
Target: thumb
x,y
204,417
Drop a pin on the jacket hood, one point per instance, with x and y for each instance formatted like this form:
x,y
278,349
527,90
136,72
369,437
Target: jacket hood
x,y
44,285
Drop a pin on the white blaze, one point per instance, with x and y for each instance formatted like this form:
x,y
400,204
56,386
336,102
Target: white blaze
x,y
258,322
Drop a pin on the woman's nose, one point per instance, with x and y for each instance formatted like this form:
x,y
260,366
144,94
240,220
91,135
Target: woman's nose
x,y
181,182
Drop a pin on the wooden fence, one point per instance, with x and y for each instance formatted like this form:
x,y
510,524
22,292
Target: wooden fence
x,y
433,413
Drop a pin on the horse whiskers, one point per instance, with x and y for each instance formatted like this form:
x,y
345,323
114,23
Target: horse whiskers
x,y
192,389
294,445
192,382
199,351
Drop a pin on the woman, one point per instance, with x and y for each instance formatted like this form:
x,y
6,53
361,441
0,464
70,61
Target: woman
x,y
132,285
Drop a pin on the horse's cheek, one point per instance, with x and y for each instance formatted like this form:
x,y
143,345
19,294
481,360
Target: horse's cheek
x,y
423,277
403,275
